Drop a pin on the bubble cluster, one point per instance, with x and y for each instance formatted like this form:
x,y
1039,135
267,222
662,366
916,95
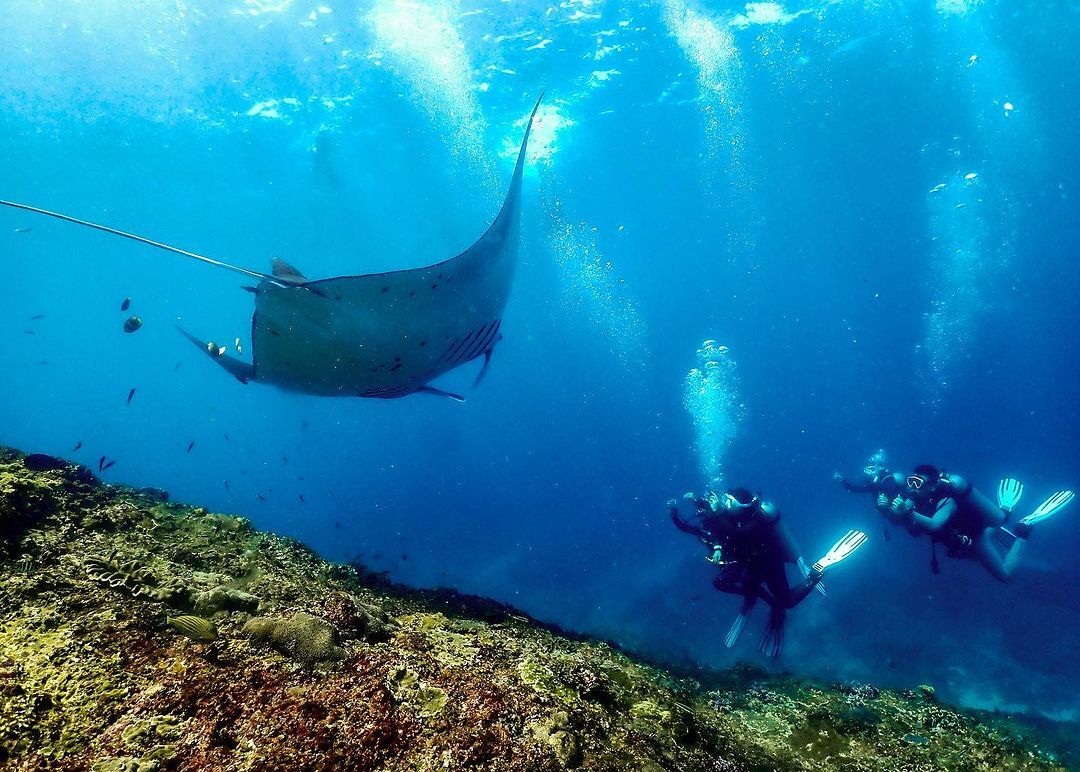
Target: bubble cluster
x,y
963,262
956,7
421,43
711,395
592,285
710,46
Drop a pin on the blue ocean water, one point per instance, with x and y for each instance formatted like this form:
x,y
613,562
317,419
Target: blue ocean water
x,y
871,205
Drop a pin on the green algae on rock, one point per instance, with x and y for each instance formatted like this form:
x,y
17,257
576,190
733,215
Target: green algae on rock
x,y
407,688
343,671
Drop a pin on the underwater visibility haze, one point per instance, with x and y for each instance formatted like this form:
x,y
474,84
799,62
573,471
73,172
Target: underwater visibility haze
x,y
757,243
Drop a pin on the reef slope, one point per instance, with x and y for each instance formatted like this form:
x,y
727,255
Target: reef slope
x,y
137,634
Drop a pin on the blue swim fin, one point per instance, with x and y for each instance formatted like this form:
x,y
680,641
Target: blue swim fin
x,y
740,622
772,643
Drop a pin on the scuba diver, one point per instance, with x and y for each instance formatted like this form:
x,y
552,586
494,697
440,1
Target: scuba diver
x,y
876,478
956,515
751,546
878,481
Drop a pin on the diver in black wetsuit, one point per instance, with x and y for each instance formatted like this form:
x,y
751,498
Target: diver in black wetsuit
x,y
751,547
964,521
884,485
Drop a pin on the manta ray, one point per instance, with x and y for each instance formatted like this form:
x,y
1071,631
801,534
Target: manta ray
x,y
382,335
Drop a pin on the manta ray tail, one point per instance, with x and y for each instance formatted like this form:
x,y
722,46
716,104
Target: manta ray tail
x,y
283,282
241,371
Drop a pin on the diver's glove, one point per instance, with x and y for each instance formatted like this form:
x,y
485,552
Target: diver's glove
x,y
717,556
712,500
882,501
900,505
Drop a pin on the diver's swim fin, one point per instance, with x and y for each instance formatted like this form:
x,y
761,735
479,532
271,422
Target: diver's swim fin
x,y
1049,507
1009,493
842,550
805,569
773,641
739,623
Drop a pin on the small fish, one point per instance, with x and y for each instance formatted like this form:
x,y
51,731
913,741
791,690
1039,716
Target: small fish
x,y
404,556
337,523
227,438
23,230
226,484
131,395
260,497
914,739
284,459
132,324
303,424
177,366
190,445
108,465
302,499
77,446
43,361
100,464
35,317
28,332
195,628
126,304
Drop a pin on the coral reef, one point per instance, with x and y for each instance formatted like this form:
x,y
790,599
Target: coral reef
x,y
128,641
301,636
